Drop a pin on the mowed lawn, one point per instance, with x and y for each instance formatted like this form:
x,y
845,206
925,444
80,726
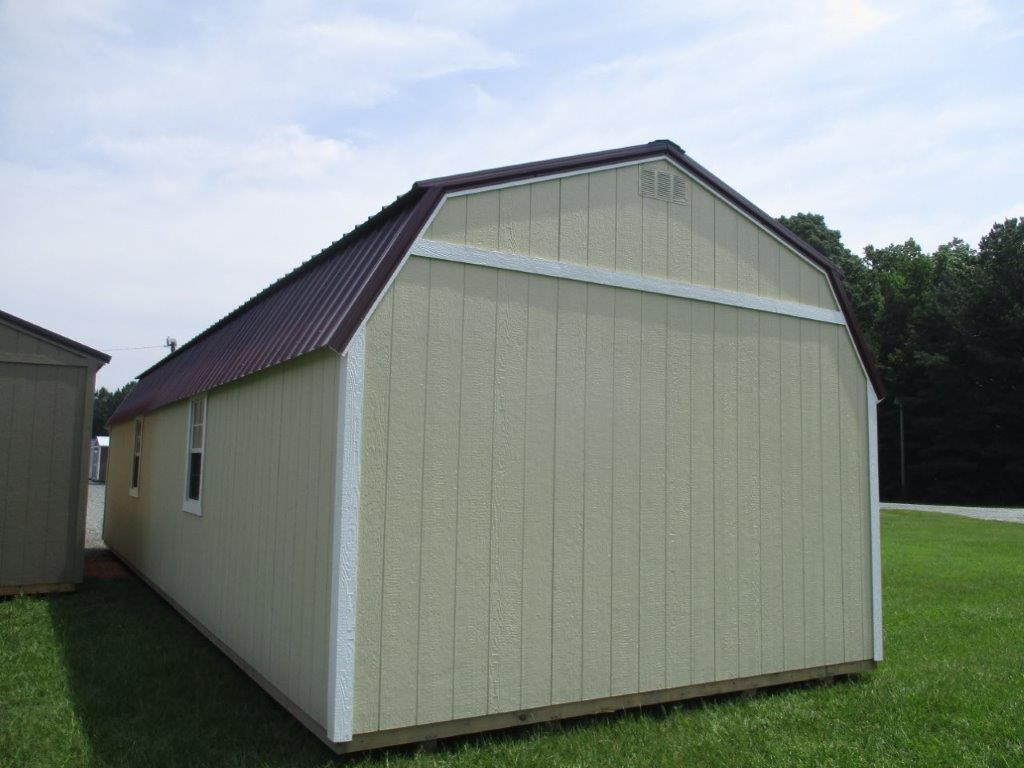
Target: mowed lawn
x,y
112,676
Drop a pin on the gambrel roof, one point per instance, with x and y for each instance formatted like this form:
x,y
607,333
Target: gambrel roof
x,y
321,303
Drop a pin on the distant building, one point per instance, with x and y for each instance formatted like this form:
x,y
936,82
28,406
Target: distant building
x,y
535,442
46,391
99,447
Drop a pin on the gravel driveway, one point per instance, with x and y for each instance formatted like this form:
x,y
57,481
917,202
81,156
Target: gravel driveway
x,y
94,516
1003,514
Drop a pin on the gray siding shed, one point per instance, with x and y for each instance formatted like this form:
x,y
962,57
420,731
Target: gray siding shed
x,y
46,389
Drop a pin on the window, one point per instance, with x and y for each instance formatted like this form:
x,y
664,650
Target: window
x,y
194,466
133,489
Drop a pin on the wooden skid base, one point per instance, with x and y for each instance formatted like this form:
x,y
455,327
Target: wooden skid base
x,y
470,725
35,589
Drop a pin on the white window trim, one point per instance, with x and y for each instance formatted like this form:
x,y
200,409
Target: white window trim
x,y
195,506
138,425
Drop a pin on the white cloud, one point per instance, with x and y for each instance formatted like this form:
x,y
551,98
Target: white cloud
x,y
158,166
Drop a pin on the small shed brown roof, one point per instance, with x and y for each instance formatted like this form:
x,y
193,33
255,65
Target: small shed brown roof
x,y
322,302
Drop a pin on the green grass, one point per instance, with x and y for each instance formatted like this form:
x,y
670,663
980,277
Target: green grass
x,y
112,676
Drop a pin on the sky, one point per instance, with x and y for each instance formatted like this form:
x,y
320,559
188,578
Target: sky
x,y
160,163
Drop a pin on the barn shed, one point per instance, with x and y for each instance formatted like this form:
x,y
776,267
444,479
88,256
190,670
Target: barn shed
x,y
530,443
46,389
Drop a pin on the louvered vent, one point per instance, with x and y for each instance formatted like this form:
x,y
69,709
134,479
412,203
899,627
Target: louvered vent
x,y
662,185
647,182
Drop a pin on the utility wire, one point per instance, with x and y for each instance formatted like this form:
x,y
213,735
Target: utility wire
x,y
128,349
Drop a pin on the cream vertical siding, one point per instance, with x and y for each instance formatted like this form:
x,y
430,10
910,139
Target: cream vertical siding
x,y
255,568
601,220
574,491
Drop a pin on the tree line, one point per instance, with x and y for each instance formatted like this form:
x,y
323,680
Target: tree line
x,y
947,330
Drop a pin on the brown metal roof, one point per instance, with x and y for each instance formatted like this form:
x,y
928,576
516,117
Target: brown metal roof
x,y
56,338
322,302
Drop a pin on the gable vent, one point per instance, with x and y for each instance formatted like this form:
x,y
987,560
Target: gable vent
x,y
662,185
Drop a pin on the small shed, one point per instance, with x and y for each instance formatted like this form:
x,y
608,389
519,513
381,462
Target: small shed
x,y
530,443
46,391
99,447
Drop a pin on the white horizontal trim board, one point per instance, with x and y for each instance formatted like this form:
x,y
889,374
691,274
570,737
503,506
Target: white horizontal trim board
x,y
876,524
345,540
434,249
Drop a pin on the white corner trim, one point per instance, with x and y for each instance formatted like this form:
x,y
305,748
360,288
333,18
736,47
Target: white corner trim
x,y
345,540
876,524
434,249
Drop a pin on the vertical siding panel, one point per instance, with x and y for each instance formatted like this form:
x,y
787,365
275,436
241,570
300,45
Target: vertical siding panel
x,y
12,547
404,493
655,237
474,516
330,383
61,553
814,584
678,493
702,549
544,203
851,394
601,221
597,521
450,222
770,412
789,275
825,297
288,497
726,476
749,517
810,280
628,221
726,246
440,494
505,677
539,492
768,277
377,385
44,492
680,241
567,599
703,236
574,218
8,379
269,501
830,494
652,492
482,220
626,494
792,487
747,276
514,220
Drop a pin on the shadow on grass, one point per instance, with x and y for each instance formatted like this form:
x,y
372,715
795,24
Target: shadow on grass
x,y
150,690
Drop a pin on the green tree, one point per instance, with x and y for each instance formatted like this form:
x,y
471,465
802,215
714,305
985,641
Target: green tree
x,y
104,403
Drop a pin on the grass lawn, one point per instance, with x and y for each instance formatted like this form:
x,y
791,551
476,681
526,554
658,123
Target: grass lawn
x,y
112,676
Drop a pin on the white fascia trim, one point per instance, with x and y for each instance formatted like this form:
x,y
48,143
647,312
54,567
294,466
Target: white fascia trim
x,y
464,254
876,523
345,540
